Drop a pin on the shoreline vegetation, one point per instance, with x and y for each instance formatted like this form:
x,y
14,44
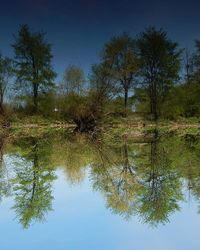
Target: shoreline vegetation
x,y
140,84
129,127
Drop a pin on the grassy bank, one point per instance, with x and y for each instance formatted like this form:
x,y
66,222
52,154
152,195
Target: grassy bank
x,y
131,127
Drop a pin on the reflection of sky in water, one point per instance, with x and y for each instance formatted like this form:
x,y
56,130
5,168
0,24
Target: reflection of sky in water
x,y
80,220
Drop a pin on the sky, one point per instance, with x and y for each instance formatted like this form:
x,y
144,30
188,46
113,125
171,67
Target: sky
x,y
78,29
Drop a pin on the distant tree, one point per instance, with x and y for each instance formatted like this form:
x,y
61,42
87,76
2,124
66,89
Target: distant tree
x,y
189,66
119,56
5,76
87,110
74,79
159,66
196,63
33,63
101,81
102,85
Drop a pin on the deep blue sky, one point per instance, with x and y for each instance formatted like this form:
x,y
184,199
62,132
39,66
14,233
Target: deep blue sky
x,y
78,29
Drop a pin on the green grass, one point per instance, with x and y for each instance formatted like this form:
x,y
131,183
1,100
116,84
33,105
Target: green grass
x,y
114,128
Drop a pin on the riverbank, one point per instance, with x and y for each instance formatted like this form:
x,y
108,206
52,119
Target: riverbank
x,y
131,127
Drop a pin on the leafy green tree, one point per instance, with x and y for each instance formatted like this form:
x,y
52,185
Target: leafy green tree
x,y
120,58
33,63
182,101
159,66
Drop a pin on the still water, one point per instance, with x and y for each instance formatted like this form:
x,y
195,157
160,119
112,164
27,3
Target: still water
x,y
64,191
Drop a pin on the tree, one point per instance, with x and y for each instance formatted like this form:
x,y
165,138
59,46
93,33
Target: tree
x,y
159,66
5,76
120,58
33,63
74,79
196,63
103,86
102,81
87,110
189,65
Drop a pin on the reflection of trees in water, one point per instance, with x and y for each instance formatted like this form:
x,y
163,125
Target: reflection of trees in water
x,y
135,178
139,180
191,156
32,184
115,177
161,189
5,186
74,154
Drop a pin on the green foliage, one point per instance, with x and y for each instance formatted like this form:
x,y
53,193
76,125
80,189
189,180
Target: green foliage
x,y
33,63
159,66
196,64
182,101
120,58
133,76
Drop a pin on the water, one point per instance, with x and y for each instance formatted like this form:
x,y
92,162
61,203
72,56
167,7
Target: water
x,y
64,191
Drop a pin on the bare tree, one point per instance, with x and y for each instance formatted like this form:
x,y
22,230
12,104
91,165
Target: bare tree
x,y
74,80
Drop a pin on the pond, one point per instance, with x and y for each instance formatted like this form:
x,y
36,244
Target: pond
x,y
65,191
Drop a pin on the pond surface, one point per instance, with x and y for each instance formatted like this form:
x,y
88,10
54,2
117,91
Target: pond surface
x,y
63,191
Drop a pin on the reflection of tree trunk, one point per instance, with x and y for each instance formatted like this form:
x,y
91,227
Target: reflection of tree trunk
x,y
153,160
126,162
2,90
1,109
1,150
126,166
35,170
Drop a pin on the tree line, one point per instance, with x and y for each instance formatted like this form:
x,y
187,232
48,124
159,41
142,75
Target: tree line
x,y
148,74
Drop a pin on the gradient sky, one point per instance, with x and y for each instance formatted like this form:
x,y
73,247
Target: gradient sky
x,y
78,29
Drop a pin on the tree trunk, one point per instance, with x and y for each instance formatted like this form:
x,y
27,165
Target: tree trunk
x,y
1,108
155,111
1,101
125,102
35,99
153,99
